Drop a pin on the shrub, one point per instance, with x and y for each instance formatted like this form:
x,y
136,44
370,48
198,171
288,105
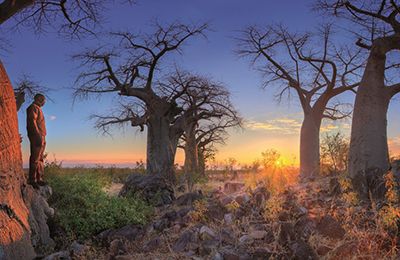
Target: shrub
x,y
83,209
334,153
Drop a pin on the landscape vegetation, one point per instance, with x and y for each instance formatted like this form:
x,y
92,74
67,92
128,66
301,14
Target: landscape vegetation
x,y
339,201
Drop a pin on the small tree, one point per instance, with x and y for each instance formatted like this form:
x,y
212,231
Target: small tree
x,y
269,158
334,152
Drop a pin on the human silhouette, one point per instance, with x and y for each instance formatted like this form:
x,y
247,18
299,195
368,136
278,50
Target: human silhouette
x,y
36,127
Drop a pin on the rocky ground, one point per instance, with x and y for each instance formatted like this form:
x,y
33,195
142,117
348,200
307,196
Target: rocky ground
x,y
306,221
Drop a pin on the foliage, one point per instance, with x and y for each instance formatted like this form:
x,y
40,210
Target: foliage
x,y
199,212
230,164
269,158
348,195
273,207
232,206
390,213
334,152
82,207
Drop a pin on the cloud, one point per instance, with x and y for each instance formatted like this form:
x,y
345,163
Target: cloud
x,y
52,117
336,126
285,126
291,126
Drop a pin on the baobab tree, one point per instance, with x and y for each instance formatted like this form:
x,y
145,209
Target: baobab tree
x,y
377,29
206,105
310,66
210,135
132,69
75,17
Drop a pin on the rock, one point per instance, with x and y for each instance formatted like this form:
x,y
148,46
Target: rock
x,y
261,254
155,189
215,211
242,199
188,199
62,255
227,236
117,247
233,254
260,196
284,216
123,257
45,191
301,250
39,213
225,200
129,232
217,256
285,233
246,239
228,218
152,244
206,233
161,224
232,187
184,241
176,228
76,249
184,211
298,211
304,227
207,247
258,234
330,227
170,215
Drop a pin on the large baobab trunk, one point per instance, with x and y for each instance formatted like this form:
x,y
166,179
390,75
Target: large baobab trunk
x,y
309,144
368,146
14,227
161,147
191,150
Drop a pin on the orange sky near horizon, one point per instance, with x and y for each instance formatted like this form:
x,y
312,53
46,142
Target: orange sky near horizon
x,y
245,145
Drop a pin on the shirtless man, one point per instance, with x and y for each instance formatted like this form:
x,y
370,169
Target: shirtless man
x,y
36,127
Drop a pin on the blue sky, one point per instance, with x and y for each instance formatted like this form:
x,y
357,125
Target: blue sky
x,y
71,136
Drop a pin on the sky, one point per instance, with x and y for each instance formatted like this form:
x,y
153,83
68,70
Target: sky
x,y
72,137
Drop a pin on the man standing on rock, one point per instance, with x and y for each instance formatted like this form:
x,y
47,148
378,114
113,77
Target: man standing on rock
x,y
36,127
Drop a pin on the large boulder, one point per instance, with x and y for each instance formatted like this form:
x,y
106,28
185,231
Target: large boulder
x,y
129,233
232,187
188,199
330,227
39,214
154,189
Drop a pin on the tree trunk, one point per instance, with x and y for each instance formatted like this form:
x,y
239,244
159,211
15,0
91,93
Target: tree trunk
x,y
309,144
14,227
191,150
368,153
161,147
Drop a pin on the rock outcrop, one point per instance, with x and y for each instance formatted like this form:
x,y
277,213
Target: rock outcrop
x,y
152,188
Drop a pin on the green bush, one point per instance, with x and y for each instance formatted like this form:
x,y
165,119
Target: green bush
x,y
83,209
